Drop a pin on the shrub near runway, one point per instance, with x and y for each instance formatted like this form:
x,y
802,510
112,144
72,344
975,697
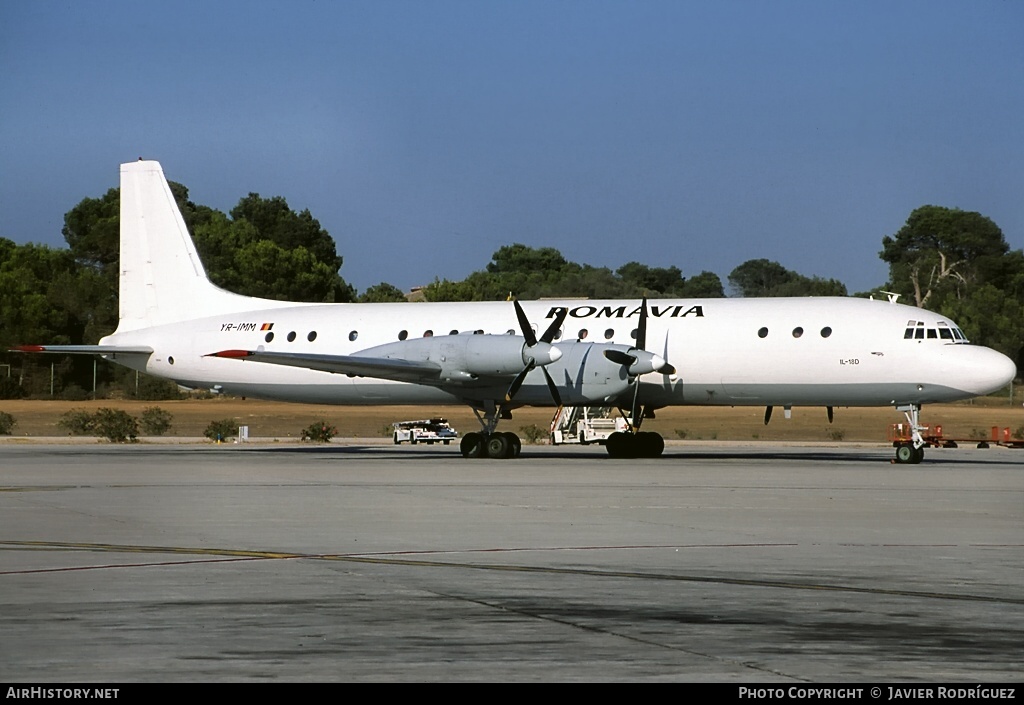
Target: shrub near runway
x,y
115,425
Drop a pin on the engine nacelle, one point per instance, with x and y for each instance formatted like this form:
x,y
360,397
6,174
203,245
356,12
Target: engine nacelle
x,y
466,356
583,376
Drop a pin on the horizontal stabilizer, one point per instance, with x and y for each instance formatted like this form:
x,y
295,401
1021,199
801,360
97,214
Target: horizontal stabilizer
x,y
378,367
86,349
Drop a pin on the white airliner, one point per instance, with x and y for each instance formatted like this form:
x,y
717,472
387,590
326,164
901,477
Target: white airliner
x,y
638,355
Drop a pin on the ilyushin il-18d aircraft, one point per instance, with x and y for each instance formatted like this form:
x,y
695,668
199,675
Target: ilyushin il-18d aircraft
x,y
637,355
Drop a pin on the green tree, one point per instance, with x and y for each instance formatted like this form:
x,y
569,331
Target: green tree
x,y
763,277
758,277
275,221
989,317
531,273
267,250
706,285
448,290
665,281
382,293
92,231
942,252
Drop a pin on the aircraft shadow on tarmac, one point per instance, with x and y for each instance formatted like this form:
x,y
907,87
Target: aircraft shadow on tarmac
x,y
937,457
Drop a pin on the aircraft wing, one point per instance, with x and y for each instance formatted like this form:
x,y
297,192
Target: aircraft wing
x,y
86,349
379,367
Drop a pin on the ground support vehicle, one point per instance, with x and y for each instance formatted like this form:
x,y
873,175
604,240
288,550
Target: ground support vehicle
x,y
585,424
428,431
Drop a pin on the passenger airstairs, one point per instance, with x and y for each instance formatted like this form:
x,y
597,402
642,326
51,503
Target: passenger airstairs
x,y
585,424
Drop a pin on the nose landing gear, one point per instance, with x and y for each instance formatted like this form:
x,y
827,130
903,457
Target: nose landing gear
x,y
911,452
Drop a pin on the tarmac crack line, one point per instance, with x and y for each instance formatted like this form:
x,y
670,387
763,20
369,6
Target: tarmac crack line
x,y
229,555
610,632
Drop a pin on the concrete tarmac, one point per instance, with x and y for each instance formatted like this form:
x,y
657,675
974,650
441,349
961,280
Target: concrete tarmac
x,y
369,562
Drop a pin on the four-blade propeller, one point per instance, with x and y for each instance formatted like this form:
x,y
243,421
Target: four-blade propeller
x,y
537,353
638,361
540,352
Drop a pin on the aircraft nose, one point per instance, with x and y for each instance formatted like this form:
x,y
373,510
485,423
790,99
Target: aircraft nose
x,y
989,370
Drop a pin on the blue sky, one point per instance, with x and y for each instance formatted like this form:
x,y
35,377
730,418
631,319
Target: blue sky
x,y
425,135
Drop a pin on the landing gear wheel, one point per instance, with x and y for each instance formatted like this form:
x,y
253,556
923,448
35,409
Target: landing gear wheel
x,y
515,445
635,445
472,445
619,445
498,446
649,445
907,454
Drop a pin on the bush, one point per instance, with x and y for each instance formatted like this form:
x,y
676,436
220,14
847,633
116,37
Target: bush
x,y
115,425
155,421
7,423
154,389
10,389
320,432
77,422
533,433
73,392
222,430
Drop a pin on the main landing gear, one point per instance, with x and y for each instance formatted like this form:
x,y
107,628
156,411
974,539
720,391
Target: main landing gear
x,y
490,443
911,452
635,443
639,444
498,445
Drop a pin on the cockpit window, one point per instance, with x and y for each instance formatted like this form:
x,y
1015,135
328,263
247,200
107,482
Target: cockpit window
x,y
916,330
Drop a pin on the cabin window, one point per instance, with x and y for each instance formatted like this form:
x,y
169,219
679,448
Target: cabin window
x,y
510,332
763,333
583,334
826,332
428,334
170,360
269,337
609,334
453,332
312,336
403,334
291,337
478,331
797,332
353,335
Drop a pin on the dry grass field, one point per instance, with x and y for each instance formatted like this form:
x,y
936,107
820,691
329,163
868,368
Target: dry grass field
x,y
281,420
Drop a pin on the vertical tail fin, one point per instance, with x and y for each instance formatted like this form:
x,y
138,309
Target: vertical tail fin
x,y
162,279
